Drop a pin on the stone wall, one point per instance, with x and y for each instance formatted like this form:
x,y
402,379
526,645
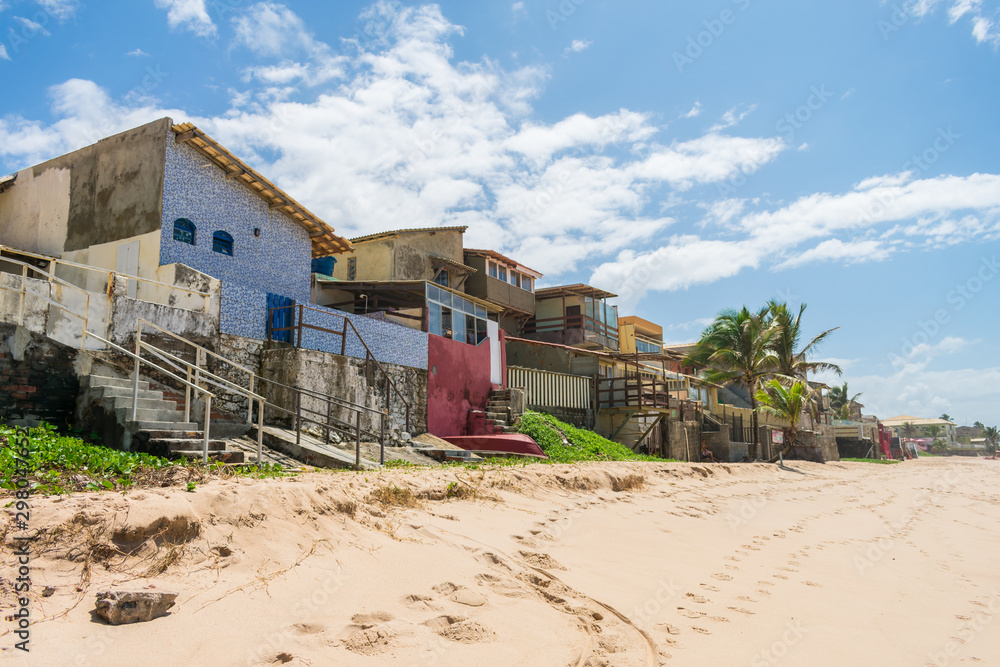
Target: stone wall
x,y
683,441
347,378
38,380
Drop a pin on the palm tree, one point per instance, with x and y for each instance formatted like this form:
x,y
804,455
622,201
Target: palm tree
x,y
978,424
841,400
792,360
785,403
992,436
946,417
909,430
738,347
933,431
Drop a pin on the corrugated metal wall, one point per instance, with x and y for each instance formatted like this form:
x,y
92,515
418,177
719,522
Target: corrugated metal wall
x,y
545,389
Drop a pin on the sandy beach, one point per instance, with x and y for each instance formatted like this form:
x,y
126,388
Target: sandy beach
x,y
592,564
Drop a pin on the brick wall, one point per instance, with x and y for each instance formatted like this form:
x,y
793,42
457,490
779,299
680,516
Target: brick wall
x,y
37,380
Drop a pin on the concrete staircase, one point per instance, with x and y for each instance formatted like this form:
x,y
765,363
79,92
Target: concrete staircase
x,y
159,427
499,414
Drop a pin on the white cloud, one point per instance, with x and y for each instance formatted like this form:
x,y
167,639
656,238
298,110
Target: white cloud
x,y
961,8
61,10
984,28
3,53
850,252
518,8
138,53
733,117
407,133
694,112
189,15
577,46
31,27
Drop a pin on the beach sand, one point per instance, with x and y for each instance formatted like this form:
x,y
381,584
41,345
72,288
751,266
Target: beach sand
x,y
591,564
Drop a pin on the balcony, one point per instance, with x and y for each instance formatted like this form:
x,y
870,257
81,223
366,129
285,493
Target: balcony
x,y
573,330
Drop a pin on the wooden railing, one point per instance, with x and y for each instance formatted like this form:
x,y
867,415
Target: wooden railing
x,y
299,324
632,392
565,322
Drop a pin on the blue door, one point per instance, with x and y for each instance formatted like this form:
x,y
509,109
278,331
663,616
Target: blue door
x,y
281,315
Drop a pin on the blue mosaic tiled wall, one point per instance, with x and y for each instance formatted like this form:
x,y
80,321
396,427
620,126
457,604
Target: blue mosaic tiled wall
x,y
278,261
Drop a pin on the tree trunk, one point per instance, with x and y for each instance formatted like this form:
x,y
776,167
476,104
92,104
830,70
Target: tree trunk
x,y
755,445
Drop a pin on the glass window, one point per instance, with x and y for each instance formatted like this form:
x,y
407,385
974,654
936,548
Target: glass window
x,y
222,243
184,231
442,278
480,312
481,331
493,269
434,318
503,273
446,319
515,278
458,326
528,283
352,268
470,330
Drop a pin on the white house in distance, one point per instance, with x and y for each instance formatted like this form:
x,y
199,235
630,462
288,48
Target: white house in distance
x,y
949,430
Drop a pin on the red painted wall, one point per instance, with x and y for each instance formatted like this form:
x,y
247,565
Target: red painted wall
x,y
458,381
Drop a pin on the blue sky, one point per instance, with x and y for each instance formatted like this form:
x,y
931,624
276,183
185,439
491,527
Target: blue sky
x,y
688,156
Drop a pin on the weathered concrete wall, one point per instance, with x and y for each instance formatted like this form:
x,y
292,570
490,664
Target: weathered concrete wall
x,y
247,353
199,328
101,193
413,252
346,378
540,357
458,381
373,261
38,380
683,441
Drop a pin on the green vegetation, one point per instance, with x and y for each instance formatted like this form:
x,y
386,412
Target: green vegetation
x,y
59,464
785,403
881,461
580,445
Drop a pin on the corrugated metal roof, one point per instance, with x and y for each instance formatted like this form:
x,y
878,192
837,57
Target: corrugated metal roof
x,y
324,241
397,232
503,258
573,290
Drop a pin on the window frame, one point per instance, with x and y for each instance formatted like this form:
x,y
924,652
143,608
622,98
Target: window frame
x,y
223,241
184,225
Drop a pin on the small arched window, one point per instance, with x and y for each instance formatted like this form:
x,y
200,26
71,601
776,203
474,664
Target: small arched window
x,y
184,231
222,243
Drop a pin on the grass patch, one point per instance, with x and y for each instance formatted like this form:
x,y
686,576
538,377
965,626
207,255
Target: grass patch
x,y
393,496
628,483
880,461
59,464
579,445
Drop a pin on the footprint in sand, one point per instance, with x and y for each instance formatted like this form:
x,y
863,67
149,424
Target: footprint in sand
x,y
779,576
710,587
722,576
812,583
696,598
718,619
763,592
701,630
669,629
741,610
690,613
962,618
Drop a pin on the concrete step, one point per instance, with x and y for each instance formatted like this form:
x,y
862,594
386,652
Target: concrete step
x,y
168,433
497,415
107,391
225,457
503,405
184,444
104,381
170,426
144,415
116,402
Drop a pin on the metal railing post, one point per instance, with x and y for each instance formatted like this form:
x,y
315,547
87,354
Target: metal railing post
x,y
357,440
298,417
381,456
187,398
329,418
301,315
208,422
135,379
24,292
250,400
260,433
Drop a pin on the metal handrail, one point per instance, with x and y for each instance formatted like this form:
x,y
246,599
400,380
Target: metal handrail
x,y
330,423
95,269
204,350
137,359
347,322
